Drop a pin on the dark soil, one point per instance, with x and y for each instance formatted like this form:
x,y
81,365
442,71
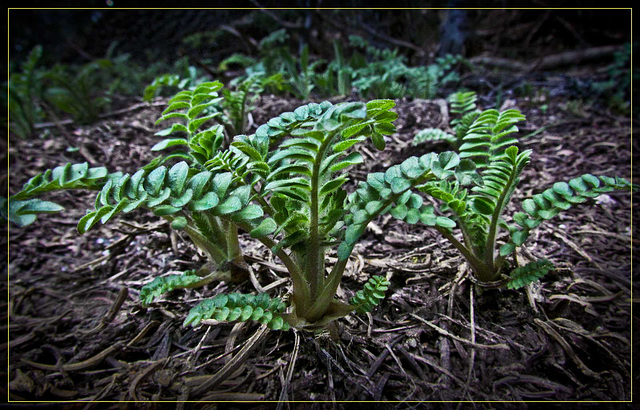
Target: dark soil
x,y
436,337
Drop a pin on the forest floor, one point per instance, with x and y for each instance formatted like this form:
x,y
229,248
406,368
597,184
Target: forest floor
x,y
77,330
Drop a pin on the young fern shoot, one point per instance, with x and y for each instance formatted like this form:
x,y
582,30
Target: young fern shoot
x,y
298,184
489,143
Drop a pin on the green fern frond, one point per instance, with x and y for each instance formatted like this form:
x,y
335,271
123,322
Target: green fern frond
x,y
433,134
453,198
464,106
499,180
391,192
22,209
192,109
68,176
23,213
367,299
560,197
240,307
528,273
489,136
168,191
165,284
462,103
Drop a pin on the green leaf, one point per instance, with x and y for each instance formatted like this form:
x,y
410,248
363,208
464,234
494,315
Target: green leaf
x,y
208,201
332,185
266,227
231,204
250,212
400,184
169,142
378,141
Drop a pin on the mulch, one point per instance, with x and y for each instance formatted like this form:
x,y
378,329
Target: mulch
x,y
77,331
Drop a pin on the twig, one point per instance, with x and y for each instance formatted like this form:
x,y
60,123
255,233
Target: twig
x,y
550,61
111,314
234,363
199,346
141,375
576,248
254,280
499,346
69,121
567,348
277,19
92,361
284,396
472,355
143,332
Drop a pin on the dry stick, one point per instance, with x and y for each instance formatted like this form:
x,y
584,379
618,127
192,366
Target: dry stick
x,y
567,348
234,363
472,355
254,280
499,346
231,339
111,314
198,347
587,335
143,332
440,369
141,375
77,366
548,62
577,249
101,116
284,396
399,363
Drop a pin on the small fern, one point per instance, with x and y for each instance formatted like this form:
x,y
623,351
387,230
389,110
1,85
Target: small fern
x,y
475,197
240,307
528,273
367,299
463,106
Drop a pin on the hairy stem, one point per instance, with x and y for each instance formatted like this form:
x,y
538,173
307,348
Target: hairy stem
x,y
477,265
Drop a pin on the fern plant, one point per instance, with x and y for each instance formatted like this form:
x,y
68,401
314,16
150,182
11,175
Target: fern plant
x,y
282,184
489,143
186,194
463,106
25,93
299,184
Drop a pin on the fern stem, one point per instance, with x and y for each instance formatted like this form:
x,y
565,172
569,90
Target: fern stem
x,y
204,243
477,265
315,251
300,285
489,253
